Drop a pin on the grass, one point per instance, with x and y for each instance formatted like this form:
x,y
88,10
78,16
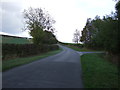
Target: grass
x,y
81,49
8,64
14,40
98,72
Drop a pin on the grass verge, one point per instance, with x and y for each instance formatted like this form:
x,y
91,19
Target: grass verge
x,y
98,72
8,64
81,49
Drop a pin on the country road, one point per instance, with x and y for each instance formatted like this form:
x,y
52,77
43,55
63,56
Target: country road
x,y
62,70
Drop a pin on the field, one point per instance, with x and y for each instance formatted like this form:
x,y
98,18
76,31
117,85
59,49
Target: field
x,y
14,40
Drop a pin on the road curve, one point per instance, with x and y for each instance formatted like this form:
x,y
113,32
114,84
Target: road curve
x,y
62,70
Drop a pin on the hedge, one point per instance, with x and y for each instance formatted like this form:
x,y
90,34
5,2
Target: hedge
x,y
17,50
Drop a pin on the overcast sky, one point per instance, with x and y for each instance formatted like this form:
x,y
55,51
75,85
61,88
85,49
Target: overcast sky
x,y
68,14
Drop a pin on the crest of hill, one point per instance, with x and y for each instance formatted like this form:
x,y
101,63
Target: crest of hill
x,y
10,39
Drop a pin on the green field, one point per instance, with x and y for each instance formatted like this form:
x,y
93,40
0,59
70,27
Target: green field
x,y
14,40
98,72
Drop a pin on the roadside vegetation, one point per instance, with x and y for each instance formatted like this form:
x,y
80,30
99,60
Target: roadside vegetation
x,y
103,33
11,51
98,72
82,49
18,51
79,47
11,63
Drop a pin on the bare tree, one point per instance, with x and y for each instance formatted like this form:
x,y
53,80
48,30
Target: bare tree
x,y
38,18
76,37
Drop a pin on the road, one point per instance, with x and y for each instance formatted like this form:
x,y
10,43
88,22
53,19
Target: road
x,y
62,70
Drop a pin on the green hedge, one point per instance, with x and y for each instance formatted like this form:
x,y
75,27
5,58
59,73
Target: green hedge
x,y
17,50
73,44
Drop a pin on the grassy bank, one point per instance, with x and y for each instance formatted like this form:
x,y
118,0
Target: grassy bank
x,y
98,72
8,64
80,49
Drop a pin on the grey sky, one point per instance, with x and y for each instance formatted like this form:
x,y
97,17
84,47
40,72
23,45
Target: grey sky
x,y
69,14
11,17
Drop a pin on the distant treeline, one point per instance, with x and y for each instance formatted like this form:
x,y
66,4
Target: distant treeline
x,y
73,44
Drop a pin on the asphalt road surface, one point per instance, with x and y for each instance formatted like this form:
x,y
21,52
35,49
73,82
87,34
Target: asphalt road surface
x,y
62,70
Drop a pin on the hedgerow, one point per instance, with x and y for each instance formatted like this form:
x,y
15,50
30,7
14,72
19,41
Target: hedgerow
x,y
17,50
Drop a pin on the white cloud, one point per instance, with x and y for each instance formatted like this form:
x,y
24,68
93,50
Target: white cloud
x,y
11,17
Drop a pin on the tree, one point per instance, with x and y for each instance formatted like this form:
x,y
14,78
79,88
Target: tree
x,y
76,36
102,33
37,22
118,16
49,38
87,33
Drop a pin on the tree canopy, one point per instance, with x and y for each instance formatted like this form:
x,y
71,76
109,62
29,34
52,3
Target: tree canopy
x,y
40,25
102,33
76,37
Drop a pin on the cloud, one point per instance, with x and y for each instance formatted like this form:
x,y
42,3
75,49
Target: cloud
x,y
11,17
11,7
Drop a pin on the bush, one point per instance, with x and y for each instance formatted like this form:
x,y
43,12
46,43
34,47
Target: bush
x,y
17,50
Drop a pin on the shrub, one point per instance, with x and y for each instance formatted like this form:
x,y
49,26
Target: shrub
x,y
17,50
